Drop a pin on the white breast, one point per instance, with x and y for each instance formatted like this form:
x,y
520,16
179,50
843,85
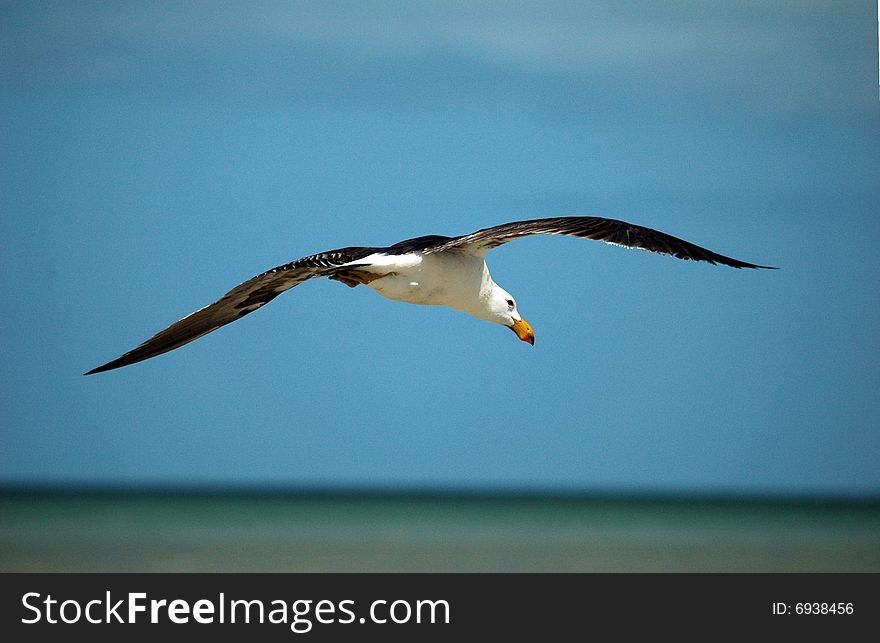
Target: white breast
x,y
453,279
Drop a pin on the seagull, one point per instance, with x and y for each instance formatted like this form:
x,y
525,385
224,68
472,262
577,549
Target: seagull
x,y
433,270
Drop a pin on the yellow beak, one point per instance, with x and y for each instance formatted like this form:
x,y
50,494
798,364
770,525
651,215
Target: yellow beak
x,y
523,331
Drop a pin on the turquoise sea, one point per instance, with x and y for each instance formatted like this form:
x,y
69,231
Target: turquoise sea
x,y
239,532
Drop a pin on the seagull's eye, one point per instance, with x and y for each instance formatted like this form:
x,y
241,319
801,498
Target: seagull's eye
x,y
511,304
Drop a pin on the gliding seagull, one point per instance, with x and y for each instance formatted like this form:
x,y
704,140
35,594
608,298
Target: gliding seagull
x,y
430,271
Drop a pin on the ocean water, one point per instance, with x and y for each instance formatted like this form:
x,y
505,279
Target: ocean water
x,y
115,532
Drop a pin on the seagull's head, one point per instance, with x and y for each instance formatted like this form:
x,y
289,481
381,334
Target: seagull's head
x,y
502,310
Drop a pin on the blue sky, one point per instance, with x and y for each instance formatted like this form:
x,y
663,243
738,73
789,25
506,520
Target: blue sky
x,y
156,154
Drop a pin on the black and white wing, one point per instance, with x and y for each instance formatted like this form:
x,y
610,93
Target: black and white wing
x,y
611,231
238,302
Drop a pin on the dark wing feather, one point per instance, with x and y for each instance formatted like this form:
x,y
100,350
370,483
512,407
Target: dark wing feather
x,y
238,302
609,230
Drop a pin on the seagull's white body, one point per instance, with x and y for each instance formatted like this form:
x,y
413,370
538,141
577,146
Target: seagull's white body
x,y
429,271
458,280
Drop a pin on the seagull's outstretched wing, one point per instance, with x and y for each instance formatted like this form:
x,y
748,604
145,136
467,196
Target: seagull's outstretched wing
x,y
238,302
611,231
